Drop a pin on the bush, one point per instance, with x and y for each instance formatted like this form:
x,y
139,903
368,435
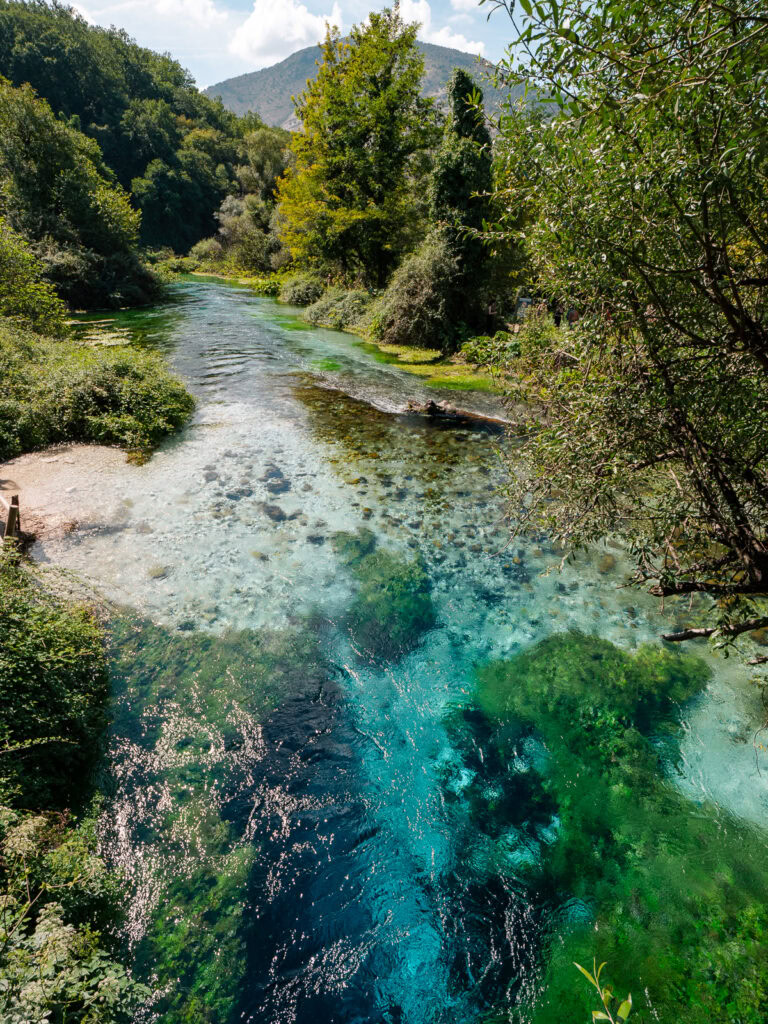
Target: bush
x,y
24,296
53,690
207,250
539,332
301,290
416,308
339,309
484,350
61,904
57,391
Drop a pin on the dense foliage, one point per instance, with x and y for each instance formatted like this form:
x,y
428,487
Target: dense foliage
x,y
60,905
26,298
647,196
434,298
171,147
57,192
347,205
58,390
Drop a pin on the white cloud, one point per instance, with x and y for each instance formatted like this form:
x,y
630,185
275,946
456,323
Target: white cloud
x,y
277,28
465,5
419,10
183,13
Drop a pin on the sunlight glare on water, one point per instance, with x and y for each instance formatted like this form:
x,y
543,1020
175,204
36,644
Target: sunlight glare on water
x,y
287,803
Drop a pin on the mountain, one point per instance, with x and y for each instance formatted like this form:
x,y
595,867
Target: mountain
x,y
269,90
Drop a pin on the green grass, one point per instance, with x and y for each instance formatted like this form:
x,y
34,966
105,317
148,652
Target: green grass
x,y
435,369
59,390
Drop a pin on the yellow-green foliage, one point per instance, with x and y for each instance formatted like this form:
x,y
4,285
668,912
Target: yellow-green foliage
x,y
346,204
58,390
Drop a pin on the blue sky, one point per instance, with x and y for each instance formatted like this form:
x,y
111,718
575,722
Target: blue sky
x,y
216,39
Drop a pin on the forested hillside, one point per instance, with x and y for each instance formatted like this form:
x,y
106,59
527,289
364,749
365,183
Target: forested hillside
x,y
270,91
171,148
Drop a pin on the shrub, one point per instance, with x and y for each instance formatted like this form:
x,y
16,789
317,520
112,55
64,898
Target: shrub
x,y
207,250
24,296
269,285
301,290
57,391
53,690
61,904
569,747
339,309
416,308
539,332
484,350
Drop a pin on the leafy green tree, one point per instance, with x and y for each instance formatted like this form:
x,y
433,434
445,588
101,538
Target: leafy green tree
x,y
25,297
139,106
346,204
650,187
264,157
56,191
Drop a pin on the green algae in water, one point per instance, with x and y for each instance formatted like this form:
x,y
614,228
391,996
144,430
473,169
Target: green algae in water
x,y
191,703
326,364
674,893
392,607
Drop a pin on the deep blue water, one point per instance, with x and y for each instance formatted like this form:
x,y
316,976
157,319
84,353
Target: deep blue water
x,y
287,805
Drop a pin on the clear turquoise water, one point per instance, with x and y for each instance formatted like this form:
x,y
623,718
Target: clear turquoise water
x,y
285,805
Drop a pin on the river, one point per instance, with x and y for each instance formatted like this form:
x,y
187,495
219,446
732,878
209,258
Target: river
x,y
286,789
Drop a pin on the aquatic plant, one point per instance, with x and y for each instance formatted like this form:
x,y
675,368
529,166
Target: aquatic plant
x,y
202,699
573,736
392,607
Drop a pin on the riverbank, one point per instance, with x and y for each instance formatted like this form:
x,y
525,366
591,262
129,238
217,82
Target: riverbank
x,y
324,619
434,369
53,484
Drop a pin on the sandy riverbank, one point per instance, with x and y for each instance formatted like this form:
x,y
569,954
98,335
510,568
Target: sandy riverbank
x,y
51,485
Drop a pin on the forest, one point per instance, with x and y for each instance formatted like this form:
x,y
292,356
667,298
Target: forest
x,y
597,253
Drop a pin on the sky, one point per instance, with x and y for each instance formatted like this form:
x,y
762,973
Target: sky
x,y
216,39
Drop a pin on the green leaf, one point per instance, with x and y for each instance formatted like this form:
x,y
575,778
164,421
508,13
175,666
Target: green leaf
x,y
586,974
599,1015
526,5
625,1008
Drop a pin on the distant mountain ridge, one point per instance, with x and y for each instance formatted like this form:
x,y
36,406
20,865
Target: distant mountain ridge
x,y
269,90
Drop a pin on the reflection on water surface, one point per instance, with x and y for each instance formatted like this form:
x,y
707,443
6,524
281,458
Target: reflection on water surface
x,y
320,814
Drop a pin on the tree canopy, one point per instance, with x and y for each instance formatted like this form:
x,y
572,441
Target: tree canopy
x,y
174,149
650,188
347,205
56,191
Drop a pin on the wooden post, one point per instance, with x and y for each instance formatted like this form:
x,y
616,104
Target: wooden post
x,y
13,518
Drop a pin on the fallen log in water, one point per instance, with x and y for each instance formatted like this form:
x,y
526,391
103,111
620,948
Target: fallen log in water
x,y
444,410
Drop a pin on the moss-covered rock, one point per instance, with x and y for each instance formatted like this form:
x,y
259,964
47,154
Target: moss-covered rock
x,y
393,606
565,748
